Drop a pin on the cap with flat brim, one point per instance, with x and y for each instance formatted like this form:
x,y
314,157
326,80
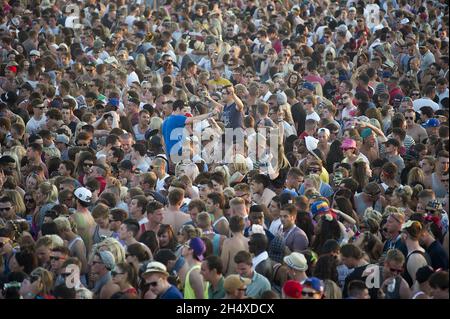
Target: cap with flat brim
x,y
155,267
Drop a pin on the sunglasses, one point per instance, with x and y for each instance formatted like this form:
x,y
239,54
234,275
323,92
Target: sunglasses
x,y
242,289
5,209
115,273
409,118
153,283
87,164
415,94
96,262
56,258
308,293
29,200
396,271
34,278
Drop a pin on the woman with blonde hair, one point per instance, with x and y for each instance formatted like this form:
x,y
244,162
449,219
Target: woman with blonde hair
x,y
416,176
38,285
238,169
155,80
331,290
141,63
33,181
428,165
113,246
402,198
45,198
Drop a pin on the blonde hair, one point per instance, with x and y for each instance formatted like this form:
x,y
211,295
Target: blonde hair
x,y
46,279
331,290
17,201
113,246
49,191
239,164
50,241
155,123
415,175
373,214
404,192
62,224
190,170
315,179
225,172
141,64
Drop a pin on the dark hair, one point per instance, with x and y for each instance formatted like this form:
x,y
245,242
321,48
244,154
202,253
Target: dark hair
x,y
63,292
439,280
352,251
132,225
243,256
138,251
330,246
164,228
214,262
326,268
149,239
328,230
305,223
355,287
27,260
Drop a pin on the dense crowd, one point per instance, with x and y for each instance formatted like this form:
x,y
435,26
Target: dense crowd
x,y
224,149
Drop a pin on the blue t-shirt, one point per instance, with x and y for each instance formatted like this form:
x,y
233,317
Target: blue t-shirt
x,y
172,293
325,190
173,131
232,118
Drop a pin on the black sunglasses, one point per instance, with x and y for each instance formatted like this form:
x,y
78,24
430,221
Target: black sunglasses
x,y
153,283
56,258
5,209
309,294
88,164
115,273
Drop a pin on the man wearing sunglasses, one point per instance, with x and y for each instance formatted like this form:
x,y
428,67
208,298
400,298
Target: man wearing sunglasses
x,y
57,257
416,131
393,285
156,277
38,120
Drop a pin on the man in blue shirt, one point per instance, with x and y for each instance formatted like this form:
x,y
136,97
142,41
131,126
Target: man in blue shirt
x,y
156,276
173,129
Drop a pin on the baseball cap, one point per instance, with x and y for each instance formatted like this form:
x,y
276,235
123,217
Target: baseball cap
x,y
61,138
155,267
293,289
311,143
198,246
314,283
386,74
35,53
366,132
431,123
113,101
107,259
434,205
309,86
234,282
319,207
83,194
348,143
296,261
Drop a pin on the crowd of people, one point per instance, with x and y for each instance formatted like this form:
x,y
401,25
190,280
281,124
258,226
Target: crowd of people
x,y
248,149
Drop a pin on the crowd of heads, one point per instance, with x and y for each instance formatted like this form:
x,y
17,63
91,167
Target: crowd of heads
x,y
236,149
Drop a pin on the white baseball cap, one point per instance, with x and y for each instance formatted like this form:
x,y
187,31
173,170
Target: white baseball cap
x,y
83,194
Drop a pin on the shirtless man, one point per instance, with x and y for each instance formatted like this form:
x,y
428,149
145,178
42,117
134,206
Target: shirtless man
x,y
416,131
172,215
234,244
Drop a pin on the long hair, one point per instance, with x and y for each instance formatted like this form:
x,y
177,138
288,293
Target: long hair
x,y
328,229
164,228
359,175
130,271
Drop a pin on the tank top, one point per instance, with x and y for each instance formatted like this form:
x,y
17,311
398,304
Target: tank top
x,y
216,244
232,118
217,221
393,291
406,274
188,291
72,243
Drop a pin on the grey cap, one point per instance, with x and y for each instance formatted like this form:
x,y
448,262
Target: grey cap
x,y
61,138
107,259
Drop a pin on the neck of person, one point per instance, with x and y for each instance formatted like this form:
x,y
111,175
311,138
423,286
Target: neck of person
x,y
288,228
174,207
130,241
82,209
300,276
413,245
394,235
215,280
152,226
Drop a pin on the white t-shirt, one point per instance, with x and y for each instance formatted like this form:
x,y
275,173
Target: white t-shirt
x,y
33,125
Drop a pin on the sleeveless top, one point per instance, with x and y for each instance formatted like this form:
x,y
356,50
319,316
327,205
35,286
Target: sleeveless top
x,y
216,244
393,292
406,274
72,243
417,294
232,118
188,291
217,221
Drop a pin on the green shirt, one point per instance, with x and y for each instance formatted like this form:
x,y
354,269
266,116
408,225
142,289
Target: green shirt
x,y
219,292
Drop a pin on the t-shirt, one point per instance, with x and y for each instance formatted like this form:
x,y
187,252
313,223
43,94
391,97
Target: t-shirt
x,y
33,125
296,239
258,285
438,256
171,293
173,131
